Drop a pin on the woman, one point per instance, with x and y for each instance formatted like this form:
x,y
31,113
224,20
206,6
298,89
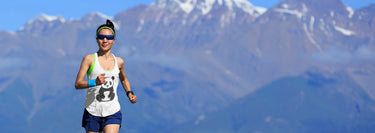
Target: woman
x,y
104,71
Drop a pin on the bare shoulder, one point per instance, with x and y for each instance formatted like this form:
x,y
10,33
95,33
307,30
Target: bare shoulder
x,y
120,60
88,59
120,63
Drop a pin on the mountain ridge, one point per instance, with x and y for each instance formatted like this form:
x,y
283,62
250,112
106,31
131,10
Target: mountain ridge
x,y
283,106
206,6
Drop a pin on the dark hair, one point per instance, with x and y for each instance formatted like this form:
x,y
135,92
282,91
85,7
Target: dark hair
x,y
108,25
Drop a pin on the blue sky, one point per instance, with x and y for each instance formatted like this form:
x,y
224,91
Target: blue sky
x,y
16,13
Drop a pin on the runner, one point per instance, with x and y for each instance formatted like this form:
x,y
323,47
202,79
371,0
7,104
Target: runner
x,y
104,72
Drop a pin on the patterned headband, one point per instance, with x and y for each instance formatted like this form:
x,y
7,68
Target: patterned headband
x,y
105,27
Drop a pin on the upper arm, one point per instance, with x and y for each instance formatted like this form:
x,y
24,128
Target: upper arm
x,y
85,66
122,74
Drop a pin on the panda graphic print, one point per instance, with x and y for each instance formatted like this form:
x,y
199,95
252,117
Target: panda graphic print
x,y
106,92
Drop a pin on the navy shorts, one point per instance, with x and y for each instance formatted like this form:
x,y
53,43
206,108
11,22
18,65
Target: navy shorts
x,y
97,124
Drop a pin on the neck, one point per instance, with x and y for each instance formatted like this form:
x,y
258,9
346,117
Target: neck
x,y
105,54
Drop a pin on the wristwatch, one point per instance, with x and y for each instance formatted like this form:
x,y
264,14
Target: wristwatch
x,y
127,93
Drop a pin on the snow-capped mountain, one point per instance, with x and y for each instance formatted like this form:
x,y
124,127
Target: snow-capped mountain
x,y
363,22
42,23
89,18
316,19
206,6
188,19
188,12
330,11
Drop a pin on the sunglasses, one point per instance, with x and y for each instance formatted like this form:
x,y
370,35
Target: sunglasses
x,y
109,37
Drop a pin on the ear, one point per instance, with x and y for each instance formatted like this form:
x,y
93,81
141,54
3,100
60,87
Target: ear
x,y
113,77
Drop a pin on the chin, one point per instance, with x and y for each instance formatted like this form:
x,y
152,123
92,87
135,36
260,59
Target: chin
x,y
104,49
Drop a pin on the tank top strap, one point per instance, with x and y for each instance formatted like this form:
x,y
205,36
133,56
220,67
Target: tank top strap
x,y
116,65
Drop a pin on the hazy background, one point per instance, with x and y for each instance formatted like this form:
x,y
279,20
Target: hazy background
x,y
230,66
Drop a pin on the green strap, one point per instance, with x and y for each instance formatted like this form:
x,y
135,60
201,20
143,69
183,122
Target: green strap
x,y
92,66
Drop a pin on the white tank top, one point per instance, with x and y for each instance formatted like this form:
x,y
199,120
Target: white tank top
x,y
102,100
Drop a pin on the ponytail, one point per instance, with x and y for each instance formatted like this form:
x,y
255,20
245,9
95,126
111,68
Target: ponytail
x,y
109,25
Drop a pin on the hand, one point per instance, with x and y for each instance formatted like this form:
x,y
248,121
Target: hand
x,y
132,98
100,79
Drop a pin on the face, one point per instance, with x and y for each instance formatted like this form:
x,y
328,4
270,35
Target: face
x,y
105,44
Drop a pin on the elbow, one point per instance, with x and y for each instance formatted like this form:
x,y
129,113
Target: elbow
x,y
77,86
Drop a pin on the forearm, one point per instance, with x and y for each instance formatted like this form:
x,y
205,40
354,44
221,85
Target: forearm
x,y
126,85
82,85
129,92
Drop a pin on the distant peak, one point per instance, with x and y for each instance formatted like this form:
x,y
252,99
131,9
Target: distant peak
x,y
41,18
97,14
205,6
320,4
47,18
317,1
324,8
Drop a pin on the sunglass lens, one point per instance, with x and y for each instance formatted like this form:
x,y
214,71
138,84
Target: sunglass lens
x,y
110,37
101,37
